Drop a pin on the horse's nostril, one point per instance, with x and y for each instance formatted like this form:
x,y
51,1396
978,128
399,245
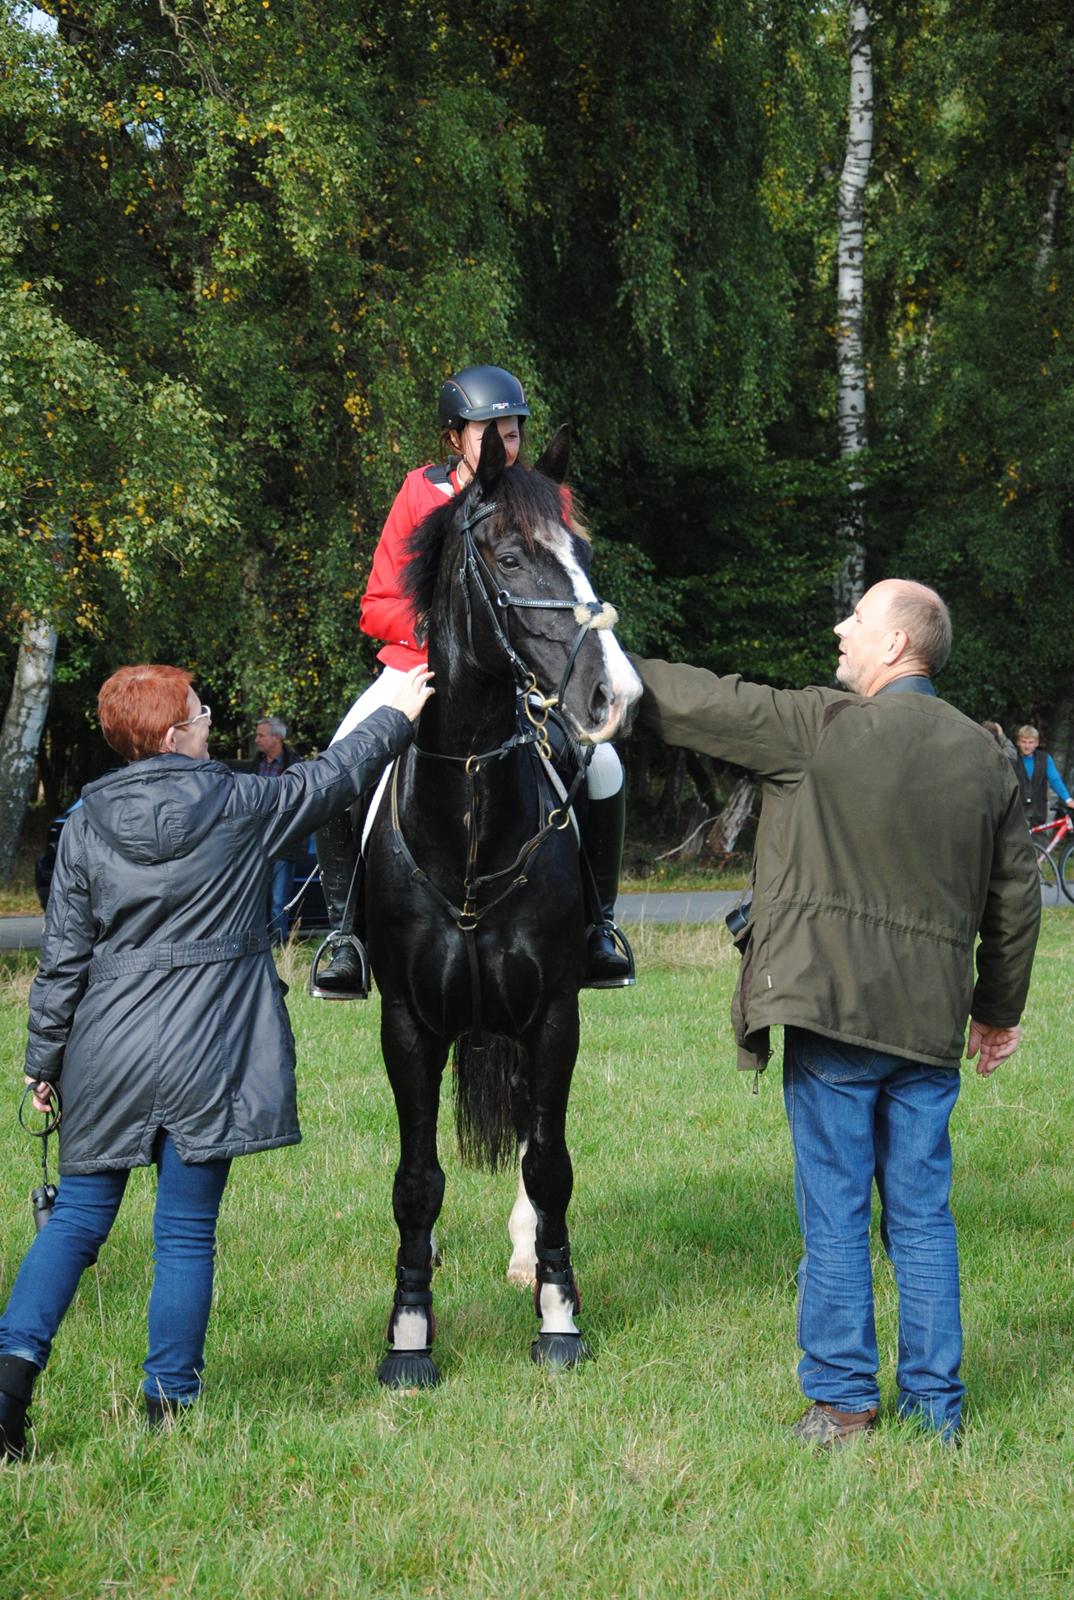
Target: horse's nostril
x,y
600,702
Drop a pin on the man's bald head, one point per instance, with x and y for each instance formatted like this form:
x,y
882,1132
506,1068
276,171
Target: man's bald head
x,y
898,629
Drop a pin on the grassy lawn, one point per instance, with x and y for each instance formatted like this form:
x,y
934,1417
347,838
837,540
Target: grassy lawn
x,y
663,1468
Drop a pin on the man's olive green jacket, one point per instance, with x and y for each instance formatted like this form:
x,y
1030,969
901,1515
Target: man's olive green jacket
x,y
891,835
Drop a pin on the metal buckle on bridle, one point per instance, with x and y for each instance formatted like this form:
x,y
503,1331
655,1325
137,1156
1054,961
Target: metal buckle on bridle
x,y
536,707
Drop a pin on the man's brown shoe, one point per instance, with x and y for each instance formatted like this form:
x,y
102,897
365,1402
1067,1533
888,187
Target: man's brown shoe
x,y
830,1429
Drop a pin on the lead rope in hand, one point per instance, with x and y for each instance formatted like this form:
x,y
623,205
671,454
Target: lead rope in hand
x,y
43,1198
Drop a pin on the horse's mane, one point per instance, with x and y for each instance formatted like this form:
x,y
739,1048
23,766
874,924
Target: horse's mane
x,y
525,501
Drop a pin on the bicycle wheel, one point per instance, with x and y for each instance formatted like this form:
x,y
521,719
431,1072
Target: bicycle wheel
x,y
1066,870
1050,888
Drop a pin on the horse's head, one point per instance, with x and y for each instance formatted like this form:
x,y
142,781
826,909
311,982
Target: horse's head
x,y
512,590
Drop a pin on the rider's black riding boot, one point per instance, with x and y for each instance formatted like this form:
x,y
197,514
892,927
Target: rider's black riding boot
x,y
16,1386
346,975
611,960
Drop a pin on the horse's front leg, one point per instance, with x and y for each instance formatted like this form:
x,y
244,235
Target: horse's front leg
x,y
549,1179
415,1061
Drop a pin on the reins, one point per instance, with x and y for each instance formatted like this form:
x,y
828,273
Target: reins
x,y
535,708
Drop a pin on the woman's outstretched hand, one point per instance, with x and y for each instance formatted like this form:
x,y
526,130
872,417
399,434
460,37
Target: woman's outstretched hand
x,y
414,690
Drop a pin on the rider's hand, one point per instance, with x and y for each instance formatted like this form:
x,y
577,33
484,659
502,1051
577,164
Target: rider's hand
x,y
1070,803
413,692
995,1045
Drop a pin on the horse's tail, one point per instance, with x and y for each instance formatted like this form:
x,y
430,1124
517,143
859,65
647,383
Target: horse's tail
x,y
489,1084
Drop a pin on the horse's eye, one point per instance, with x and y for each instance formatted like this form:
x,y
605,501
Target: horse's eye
x,y
509,563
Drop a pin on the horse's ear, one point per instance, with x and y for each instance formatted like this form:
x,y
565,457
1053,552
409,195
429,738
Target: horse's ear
x,y
553,463
491,462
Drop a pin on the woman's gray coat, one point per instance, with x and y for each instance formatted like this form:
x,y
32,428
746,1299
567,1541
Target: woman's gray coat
x,y
157,1003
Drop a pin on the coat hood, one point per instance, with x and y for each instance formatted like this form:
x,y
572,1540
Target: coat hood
x,y
158,809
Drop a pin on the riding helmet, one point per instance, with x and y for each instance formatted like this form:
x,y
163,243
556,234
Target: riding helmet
x,y
476,394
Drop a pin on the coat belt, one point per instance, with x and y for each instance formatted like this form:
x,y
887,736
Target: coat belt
x,y
162,957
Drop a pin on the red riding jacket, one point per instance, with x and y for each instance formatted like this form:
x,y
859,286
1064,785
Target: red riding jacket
x,y
386,612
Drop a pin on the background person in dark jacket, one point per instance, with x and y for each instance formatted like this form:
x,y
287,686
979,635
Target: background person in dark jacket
x,y
873,875
1036,773
274,757
158,1012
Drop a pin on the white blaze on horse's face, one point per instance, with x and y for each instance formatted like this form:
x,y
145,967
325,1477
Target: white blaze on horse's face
x,y
623,684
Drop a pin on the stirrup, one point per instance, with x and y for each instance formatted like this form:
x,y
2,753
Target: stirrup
x,y
335,942
619,939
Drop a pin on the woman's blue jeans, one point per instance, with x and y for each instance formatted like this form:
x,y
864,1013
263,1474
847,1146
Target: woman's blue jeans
x,y
184,1236
856,1115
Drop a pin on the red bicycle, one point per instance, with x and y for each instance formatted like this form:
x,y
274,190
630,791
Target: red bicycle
x,y
1053,843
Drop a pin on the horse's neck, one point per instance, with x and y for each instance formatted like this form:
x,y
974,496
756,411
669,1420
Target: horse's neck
x,y
469,714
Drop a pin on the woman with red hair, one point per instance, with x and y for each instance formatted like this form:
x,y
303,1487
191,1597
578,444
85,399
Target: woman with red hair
x,y
157,1012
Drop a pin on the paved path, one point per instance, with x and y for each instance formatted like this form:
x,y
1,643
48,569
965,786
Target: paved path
x,y
24,933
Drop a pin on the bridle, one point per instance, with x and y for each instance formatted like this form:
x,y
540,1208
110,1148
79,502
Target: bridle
x,y
474,578
588,614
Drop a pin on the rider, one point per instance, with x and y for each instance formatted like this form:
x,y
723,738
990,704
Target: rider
x,y
469,401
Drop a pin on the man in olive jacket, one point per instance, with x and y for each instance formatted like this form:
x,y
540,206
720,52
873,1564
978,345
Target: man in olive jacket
x,y
891,835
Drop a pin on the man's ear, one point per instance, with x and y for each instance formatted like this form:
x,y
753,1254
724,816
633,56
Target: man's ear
x,y
895,651
168,746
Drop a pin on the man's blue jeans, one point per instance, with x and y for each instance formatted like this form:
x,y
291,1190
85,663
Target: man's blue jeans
x,y
184,1234
856,1115
279,893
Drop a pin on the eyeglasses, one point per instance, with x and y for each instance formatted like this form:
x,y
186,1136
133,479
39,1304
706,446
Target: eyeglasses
x,y
204,715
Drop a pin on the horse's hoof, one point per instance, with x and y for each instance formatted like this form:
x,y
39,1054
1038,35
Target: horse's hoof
x,y
408,1369
559,1349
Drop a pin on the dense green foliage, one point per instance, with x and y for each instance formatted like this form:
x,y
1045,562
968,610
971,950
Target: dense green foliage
x,y
663,1469
242,242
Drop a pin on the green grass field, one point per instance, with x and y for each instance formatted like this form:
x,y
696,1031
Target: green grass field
x,y
663,1468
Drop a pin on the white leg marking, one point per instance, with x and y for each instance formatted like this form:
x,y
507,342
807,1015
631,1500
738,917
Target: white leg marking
x,y
557,1310
411,1329
522,1226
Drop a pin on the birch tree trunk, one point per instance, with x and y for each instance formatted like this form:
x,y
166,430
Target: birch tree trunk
x,y
850,582
1057,182
723,835
21,733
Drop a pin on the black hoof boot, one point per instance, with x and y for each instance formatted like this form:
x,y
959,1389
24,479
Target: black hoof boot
x,y
162,1415
16,1387
559,1350
340,969
611,960
413,1368
408,1369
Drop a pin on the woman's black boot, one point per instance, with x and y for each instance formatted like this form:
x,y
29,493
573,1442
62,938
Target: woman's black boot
x,y
340,968
161,1414
611,960
16,1386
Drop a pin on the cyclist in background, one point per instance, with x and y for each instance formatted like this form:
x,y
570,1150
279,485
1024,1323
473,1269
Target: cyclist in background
x,y
1036,773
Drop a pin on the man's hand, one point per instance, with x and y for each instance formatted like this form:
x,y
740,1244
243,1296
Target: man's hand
x,y
994,1045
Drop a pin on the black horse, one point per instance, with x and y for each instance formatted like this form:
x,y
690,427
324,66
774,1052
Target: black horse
x,y
473,890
